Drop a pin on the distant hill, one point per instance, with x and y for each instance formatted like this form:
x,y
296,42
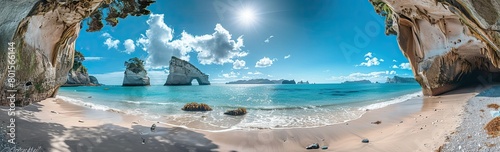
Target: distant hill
x,y
397,79
262,81
357,82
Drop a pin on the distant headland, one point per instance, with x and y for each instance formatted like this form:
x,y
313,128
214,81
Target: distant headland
x,y
266,81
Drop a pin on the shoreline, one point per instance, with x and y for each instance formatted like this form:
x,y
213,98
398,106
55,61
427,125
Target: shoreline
x,y
311,115
421,123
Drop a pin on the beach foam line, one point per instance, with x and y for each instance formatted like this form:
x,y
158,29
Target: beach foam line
x,y
147,102
85,104
136,112
395,100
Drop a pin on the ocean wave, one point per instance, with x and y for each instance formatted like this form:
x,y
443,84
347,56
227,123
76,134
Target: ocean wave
x,y
147,102
395,100
85,104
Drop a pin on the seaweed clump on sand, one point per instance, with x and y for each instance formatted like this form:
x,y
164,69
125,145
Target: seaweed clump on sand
x,y
193,106
237,112
493,127
494,106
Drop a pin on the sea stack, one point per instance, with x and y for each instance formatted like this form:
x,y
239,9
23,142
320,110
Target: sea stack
x,y
183,72
135,74
447,43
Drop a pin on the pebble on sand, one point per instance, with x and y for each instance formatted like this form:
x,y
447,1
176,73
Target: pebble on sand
x,y
81,121
313,146
153,127
365,141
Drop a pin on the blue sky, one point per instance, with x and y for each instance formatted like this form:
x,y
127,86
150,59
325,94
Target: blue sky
x,y
323,41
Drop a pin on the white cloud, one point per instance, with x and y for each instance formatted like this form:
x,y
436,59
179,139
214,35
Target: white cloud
x,y
239,64
105,34
264,62
215,48
93,58
254,73
156,42
267,40
110,42
129,46
370,60
395,67
369,54
405,66
394,61
231,75
270,76
288,56
378,76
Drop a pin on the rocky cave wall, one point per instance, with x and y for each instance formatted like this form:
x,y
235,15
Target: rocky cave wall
x,y
44,33
449,43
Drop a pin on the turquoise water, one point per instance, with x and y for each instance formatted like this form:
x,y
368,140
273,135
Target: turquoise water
x,y
269,106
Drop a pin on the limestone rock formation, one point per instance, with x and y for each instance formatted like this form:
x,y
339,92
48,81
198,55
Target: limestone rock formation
x,y
183,73
135,74
93,80
449,43
78,76
43,33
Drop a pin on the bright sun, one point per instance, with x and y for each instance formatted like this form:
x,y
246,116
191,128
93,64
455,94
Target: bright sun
x,y
247,16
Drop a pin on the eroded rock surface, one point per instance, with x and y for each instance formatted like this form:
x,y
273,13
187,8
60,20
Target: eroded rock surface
x,y
78,75
44,33
183,73
448,43
135,74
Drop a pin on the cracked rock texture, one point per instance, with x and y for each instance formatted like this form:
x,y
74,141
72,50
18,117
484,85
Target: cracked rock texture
x,y
44,33
449,43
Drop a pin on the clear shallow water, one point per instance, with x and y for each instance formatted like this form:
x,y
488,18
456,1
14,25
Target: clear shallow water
x,y
268,106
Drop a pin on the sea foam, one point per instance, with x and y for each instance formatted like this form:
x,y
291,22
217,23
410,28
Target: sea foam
x,y
395,100
83,103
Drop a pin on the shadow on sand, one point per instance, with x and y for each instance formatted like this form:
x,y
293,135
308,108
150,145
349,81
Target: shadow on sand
x,y
107,137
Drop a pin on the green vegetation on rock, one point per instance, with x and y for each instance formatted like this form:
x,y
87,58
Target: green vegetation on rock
x,y
77,63
135,65
386,11
117,9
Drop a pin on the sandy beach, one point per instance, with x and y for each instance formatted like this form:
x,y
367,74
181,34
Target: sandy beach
x,y
420,124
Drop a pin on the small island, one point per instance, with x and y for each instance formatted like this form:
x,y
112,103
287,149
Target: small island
x,y
262,81
357,82
397,79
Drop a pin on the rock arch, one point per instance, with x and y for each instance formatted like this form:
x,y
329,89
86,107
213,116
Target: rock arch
x,y
183,73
